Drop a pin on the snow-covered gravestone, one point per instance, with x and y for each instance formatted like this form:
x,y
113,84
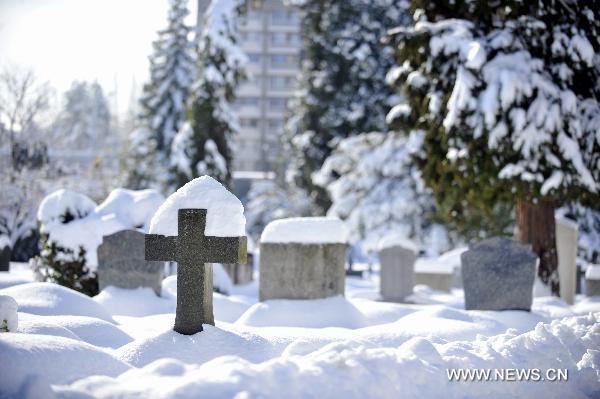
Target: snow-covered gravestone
x,y
302,258
202,223
4,253
498,274
8,314
397,274
566,245
592,280
121,263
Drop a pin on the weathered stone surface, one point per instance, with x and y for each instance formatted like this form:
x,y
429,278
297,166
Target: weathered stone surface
x,y
567,245
592,287
4,259
194,253
498,274
301,271
121,262
436,281
397,272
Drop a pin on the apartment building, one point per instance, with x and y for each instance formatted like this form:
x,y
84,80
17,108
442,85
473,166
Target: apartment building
x,y
269,33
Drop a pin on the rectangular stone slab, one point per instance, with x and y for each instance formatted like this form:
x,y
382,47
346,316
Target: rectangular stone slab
x,y
301,271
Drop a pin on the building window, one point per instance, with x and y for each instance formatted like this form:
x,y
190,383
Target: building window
x,y
249,122
251,37
281,82
276,124
247,102
254,58
278,103
284,61
284,17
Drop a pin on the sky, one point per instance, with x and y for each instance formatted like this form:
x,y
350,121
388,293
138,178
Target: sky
x,y
65,40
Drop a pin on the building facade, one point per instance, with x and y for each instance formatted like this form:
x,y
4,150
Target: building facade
x,y
269,33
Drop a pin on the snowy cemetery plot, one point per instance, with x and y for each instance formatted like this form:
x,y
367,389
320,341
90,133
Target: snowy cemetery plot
x,y
120,343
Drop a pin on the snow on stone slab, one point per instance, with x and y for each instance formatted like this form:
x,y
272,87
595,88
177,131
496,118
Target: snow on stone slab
x,y
133,208
317,313
305,230
9,321
417,368
48,299
30,359
397,240
592,272
62,202
225,212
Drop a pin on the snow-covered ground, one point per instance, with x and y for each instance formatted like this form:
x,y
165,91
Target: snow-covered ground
x,y
120,344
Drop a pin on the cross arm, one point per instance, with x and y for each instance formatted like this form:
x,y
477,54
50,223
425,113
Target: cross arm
x,y
226,249
160,248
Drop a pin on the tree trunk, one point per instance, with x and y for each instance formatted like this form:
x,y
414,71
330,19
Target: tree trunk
x,y
536,226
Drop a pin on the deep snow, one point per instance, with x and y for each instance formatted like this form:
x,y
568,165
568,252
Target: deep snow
x,y
120,344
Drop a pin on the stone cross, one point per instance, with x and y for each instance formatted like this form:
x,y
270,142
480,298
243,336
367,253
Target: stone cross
x,y
193,252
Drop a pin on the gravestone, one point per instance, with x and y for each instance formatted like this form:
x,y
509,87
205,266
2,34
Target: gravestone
x,y
592,280
498,274
397,272
566,245
4,257
194,253
439,281
122,264
298,262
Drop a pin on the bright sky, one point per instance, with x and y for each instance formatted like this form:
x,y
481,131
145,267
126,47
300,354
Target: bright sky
x,y
65,40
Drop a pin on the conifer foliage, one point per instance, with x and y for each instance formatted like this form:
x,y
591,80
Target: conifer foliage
x,y
506,93
172,69
342,85
202,146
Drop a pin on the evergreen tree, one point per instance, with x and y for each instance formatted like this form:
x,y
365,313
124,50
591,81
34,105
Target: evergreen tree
x,y
377,189
342,85
171,75
84,121
506,93
202,146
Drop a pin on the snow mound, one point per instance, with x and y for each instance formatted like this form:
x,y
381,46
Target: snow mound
x,y
34,359
9,321
225,212
316,313
88,329
132,208
418,368
226,308
138,302
62,204
86,233
308,230
397,240
198,348
48,299
34,324
72,220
